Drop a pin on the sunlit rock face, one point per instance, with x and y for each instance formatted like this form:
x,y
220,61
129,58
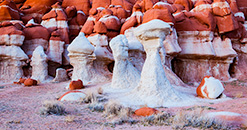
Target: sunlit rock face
x,y
12,57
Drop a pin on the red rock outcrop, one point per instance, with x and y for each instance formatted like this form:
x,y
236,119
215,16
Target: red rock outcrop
x,y
35,35
36,9
9,11
83,5
56,19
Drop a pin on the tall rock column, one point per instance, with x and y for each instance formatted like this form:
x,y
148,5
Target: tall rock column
x,y
154,88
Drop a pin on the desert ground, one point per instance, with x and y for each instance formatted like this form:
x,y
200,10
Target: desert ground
x,y
21,108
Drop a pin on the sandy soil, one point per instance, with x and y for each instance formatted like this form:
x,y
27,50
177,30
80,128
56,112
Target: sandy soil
x,y
20,107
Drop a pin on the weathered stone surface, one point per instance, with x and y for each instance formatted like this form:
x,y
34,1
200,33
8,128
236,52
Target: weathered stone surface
x,y
81,53
35,35
39,65
61,75
36,9
201,55
125,75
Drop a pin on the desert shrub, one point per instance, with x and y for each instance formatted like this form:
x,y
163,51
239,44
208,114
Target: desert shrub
x,y
52,107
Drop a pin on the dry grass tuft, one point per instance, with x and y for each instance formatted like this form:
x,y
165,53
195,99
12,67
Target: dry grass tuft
x,y
70,118
196,119
90,98
52,107
238,95
163,118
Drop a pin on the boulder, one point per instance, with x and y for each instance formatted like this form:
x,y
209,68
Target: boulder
x,y
76,85
72,96
145,111
30,82
210,88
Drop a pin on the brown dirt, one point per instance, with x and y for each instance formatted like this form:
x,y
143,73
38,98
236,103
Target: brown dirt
x,y
20,106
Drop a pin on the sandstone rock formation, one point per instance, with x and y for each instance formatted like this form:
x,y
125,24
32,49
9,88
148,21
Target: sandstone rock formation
x,y
103,55
81,53
9,11
39,65
61,75
125,75
36,9
35,35
56,19
12,57
154,89
201,54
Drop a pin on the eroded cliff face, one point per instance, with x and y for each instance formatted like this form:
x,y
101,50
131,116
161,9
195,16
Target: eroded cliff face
x,y
206,37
